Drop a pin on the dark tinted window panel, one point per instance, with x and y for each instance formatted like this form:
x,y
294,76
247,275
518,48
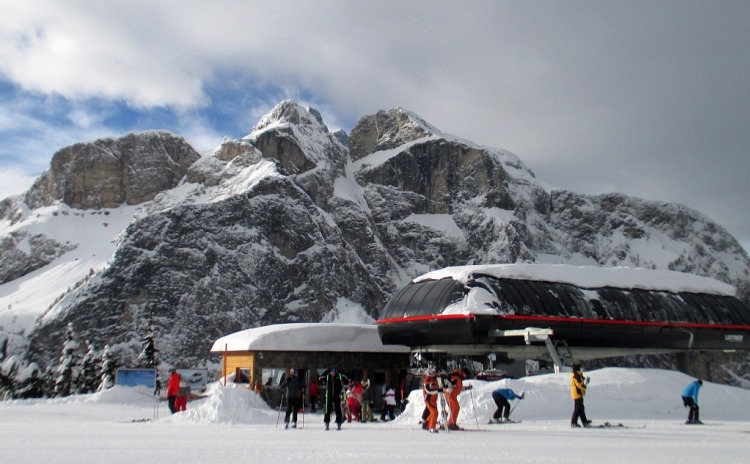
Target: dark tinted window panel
x,y
737,309
511,296
530,299
613,302
423,299
549,300
565,296
707,308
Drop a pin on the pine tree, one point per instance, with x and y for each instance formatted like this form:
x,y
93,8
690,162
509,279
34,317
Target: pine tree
x,y
88,380
147,359
33,384
8,373
108,369
67,372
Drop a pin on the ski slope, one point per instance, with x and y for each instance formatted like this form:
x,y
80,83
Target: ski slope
x,y
232,424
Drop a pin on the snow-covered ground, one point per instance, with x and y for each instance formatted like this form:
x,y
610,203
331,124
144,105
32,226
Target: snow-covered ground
x,y
234,425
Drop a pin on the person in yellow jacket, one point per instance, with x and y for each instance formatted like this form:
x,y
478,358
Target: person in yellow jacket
x,y
577,391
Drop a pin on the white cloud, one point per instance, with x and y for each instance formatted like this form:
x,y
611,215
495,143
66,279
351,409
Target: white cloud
x,y
650,100
14,180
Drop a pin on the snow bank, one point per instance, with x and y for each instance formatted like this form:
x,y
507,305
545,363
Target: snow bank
x,y
614,394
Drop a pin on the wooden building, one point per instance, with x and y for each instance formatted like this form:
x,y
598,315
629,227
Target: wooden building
x,y
262,356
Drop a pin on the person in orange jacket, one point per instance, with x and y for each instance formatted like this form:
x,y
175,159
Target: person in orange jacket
x,y
456,379
430,390
173,389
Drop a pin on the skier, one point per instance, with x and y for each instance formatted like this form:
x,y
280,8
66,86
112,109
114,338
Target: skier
x,y
690,400
352,406
333,383
180,403
577,392
390,404
313,395
173,388
430,390
367,397
356,388
502,397
456,379
294,387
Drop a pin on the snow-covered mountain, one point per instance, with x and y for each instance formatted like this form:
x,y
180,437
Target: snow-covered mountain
x,y
289,224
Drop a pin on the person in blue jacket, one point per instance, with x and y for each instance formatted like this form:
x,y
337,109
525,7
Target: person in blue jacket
x,y
502,397
690,400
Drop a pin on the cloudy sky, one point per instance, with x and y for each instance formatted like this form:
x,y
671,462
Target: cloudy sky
x,y
649,98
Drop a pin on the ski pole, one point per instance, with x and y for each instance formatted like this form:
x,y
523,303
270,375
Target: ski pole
x,y
281,401
471,392
514,406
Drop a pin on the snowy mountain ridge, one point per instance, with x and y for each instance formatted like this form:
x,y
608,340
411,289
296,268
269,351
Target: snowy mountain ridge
x,y
287,224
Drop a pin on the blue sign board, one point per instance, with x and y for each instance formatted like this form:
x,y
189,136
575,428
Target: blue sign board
x,y
136,377
197,378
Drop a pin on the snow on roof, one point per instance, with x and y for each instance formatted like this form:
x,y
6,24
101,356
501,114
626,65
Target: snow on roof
x,y
308,337
590,277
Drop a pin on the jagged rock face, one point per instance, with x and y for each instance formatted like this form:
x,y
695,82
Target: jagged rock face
x,y
21,253
227,161
446,175
287,233
601,222
301,145
383,131
109,172
266,257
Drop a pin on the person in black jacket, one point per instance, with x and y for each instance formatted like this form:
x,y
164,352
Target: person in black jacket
x,y
333,383
294,388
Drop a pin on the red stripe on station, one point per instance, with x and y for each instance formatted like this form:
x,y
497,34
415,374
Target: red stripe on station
x,y
568,320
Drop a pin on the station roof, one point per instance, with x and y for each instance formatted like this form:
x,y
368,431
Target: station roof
x,y
308,337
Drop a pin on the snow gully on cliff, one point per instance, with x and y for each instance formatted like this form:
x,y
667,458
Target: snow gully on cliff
x,y
596,312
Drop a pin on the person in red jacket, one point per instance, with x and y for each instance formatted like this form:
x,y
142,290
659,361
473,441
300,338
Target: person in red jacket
x,y
456,379
173,389
180,403
430,390
313,395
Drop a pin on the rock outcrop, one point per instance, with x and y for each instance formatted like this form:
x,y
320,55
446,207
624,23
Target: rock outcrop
x,y
109,172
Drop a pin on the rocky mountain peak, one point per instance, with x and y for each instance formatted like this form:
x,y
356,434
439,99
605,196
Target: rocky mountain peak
x,y
109,172
290,112
299,142
385,130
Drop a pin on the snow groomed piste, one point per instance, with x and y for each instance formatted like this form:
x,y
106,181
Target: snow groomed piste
x,y
596,312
